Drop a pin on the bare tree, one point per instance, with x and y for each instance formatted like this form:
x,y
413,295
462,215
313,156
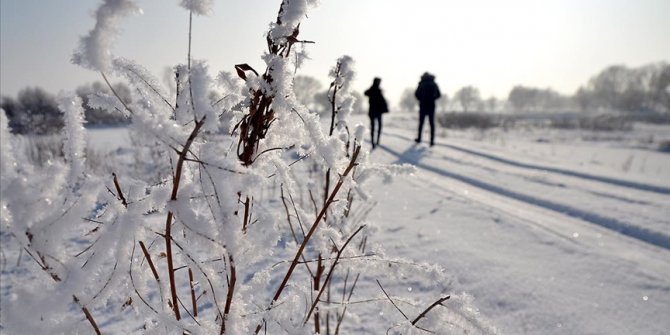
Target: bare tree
x,y
618,87
321,105
533,99
33,112
408,101
306,89
492,104
468,97
442,103
583,98
660,88
358,104
99,116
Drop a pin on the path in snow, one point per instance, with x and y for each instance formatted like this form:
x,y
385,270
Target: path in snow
x,y
603,179
562,252
642,233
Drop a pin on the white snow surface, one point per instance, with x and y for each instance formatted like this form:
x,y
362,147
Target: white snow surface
x,y
551,232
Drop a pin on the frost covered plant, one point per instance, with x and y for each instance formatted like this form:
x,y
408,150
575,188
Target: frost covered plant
x,y
258,226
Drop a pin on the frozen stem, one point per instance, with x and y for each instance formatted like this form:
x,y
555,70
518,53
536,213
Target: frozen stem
x,y
168,224
423,314
331,271
229,297
312,230
89,317
119,192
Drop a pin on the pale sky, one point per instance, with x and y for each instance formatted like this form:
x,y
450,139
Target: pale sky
x,y
491,44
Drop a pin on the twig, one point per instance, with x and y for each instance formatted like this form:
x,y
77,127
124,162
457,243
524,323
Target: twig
x,y
116,94
151,87
189,314
297,215
56,278
89,317
327,259
214,166
312,230
334,110
151,263
288,218
132,282
331,271
190,82
311,198
340,318
109,280
293,163
118,190
263,152
247,214
326,191
317,282
177,91
229,296
168,223
87,248
288,214
219,101
391,300
202,271
423,314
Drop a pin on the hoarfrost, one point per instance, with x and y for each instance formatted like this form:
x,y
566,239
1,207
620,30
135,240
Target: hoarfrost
x,y
75,143
199,7
8,164
95,48
200,84
290,15
220,230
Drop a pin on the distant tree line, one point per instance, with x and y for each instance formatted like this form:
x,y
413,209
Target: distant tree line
x,y
644,89
35,111
101,117
616,88
531,99
310,92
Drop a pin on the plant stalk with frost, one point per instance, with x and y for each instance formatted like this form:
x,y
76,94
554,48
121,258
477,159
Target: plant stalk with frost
x,y
210,246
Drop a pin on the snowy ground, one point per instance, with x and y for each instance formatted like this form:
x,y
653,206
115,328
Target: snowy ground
x,y
552,232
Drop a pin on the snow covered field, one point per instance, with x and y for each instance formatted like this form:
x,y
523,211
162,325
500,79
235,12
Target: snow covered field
x,y
551,232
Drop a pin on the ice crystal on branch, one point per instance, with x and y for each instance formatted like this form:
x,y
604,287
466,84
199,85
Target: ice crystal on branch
x,y
291,13
240,212
95,48
199,7
75,144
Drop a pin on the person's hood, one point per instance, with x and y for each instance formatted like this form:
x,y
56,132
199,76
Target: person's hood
x,y
427,77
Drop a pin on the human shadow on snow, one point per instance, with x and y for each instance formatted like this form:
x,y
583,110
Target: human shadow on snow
x,y
414,154
602,179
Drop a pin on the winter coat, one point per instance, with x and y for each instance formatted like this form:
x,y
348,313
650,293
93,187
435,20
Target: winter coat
x,y
377,101
427,93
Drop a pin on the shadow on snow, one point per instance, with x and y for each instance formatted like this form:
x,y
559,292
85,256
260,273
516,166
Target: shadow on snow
x,y
613,181
414,154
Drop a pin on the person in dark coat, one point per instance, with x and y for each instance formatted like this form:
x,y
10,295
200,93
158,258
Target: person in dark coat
x,y
377,108
427,93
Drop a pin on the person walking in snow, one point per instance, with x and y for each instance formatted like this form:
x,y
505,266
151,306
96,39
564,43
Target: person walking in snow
x,y
377,108
427,93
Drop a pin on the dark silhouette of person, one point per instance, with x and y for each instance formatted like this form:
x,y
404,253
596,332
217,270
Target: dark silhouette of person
x,y
427,93
378,107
